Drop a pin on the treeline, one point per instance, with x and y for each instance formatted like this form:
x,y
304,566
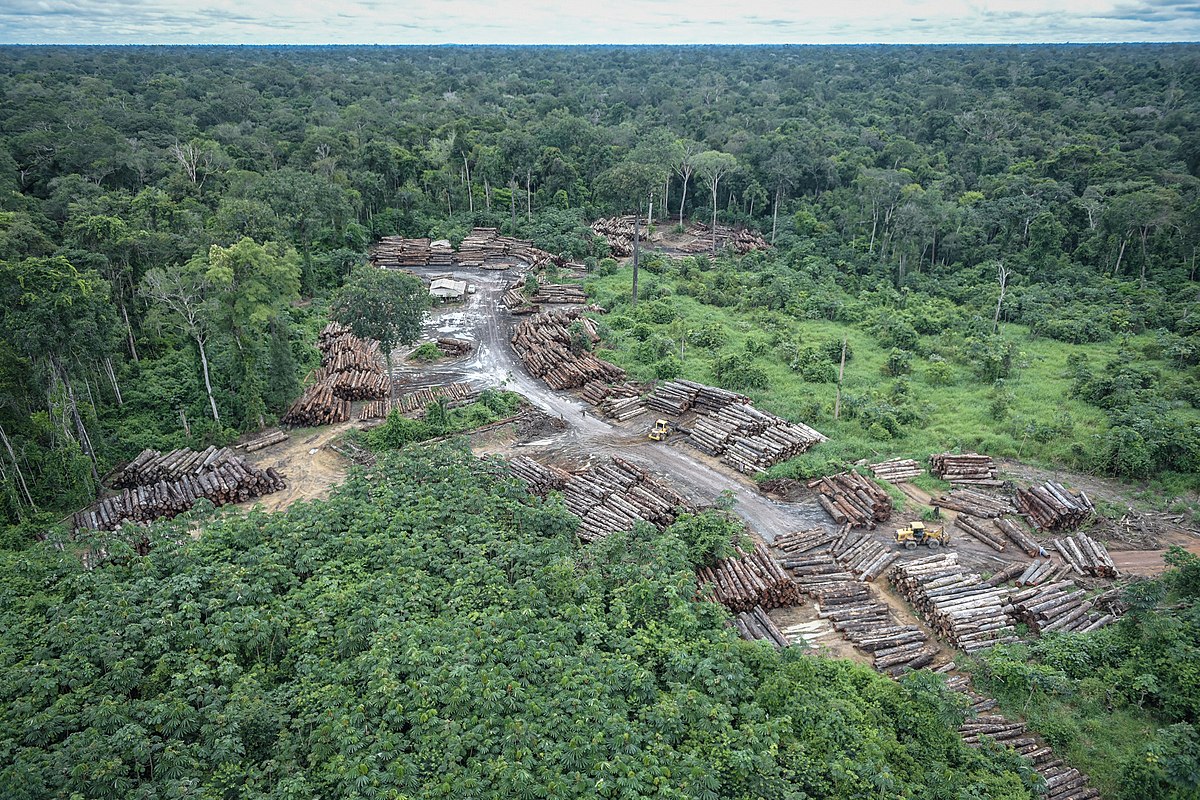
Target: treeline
x,y
1072,171
433,632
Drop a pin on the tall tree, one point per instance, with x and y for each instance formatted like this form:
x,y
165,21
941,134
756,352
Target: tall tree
x,y
181,296
712,166
381,304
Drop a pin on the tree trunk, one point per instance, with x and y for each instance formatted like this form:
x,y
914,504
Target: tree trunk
x,y
512,198
837,400
683,199
129,334
1120,255
775,214
112,376
470,192
637,219
528,195
17,467
207,381
1003,277
487,194
714,217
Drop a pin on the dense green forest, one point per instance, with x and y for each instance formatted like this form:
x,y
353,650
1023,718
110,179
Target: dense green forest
x,y
172,220
432,631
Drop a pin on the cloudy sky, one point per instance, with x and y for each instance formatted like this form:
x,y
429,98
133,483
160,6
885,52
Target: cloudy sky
x,y
589,22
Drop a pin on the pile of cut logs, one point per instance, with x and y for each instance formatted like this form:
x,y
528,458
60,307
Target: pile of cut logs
x,y
867,623
1017,535
741,240
596,392
676,397
559,293
419,400
396,252
862,555
618,233
454,348
1052,506
957,604
897,470
544,343
151,466
755,625
851,498
162,486
968,468
750,579
351,369
486,249
613,496
975,503
1086,556
1061,606
1062,782
1040,572
266,439
542,479
982,529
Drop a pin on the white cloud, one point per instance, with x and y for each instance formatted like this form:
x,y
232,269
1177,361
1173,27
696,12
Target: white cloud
x,y
611,21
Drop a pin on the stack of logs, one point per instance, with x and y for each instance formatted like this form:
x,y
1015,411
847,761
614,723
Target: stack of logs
x,y
851,498
968,469
1086,556
265,439
755,625
613,496
454,348
351,369
979,504
861,555
418,401
741,240
958,605
1062,606
544,343
157,486
486,249
727,425
1062,782
559,293
1040,572
1017,535
897,470
1052,506
396,252
984,530
618,233
750,579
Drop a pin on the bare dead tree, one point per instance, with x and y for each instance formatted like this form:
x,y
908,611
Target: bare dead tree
x,y
183,295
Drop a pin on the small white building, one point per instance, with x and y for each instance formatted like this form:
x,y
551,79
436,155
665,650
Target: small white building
x,y
448,289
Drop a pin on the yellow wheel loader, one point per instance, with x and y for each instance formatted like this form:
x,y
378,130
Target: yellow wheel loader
x,y
916,534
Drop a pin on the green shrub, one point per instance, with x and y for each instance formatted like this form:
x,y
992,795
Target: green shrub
x,y
426,352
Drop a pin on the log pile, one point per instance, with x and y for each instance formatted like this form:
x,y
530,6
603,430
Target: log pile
x,y
596,392
897,470
982,529
740,239
151,466
542,479
544,343
975,503
317,406
750,579
1060,606
1086,556
351,369
958,605
616,496
1062,782
618,233
966,469
454,348
862,555
851,498
622,408
755,625
419,400
867,623
517,302
800,542
397,252
1052,506
485,248
676,397
1017,535
266,439
162,487
559,293
1040,572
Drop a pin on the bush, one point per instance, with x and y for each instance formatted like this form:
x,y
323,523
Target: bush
x,y
737,371
709,336
668,368
426,352
939,373
899,362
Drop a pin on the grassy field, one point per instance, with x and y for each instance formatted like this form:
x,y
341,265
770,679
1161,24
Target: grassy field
x,y
1030,416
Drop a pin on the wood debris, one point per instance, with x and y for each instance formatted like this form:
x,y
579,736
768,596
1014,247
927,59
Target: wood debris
x,y
958,605
741,240
266,439
897,470
1052,506
454,394
851,498
549,348
965,469
158,486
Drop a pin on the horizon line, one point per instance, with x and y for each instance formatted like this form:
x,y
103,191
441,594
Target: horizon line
x,y
1031,43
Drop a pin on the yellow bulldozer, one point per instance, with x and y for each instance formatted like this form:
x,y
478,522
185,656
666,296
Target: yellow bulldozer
x,y
660,431
916,534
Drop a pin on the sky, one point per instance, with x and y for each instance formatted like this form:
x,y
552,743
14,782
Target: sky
x,y
595,21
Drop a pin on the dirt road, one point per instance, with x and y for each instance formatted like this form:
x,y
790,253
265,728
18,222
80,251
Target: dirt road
x,y
486,321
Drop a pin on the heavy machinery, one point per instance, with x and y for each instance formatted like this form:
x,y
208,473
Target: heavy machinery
x,y
916,534
660,431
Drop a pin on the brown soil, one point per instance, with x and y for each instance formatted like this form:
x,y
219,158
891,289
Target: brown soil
x,y
309,465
